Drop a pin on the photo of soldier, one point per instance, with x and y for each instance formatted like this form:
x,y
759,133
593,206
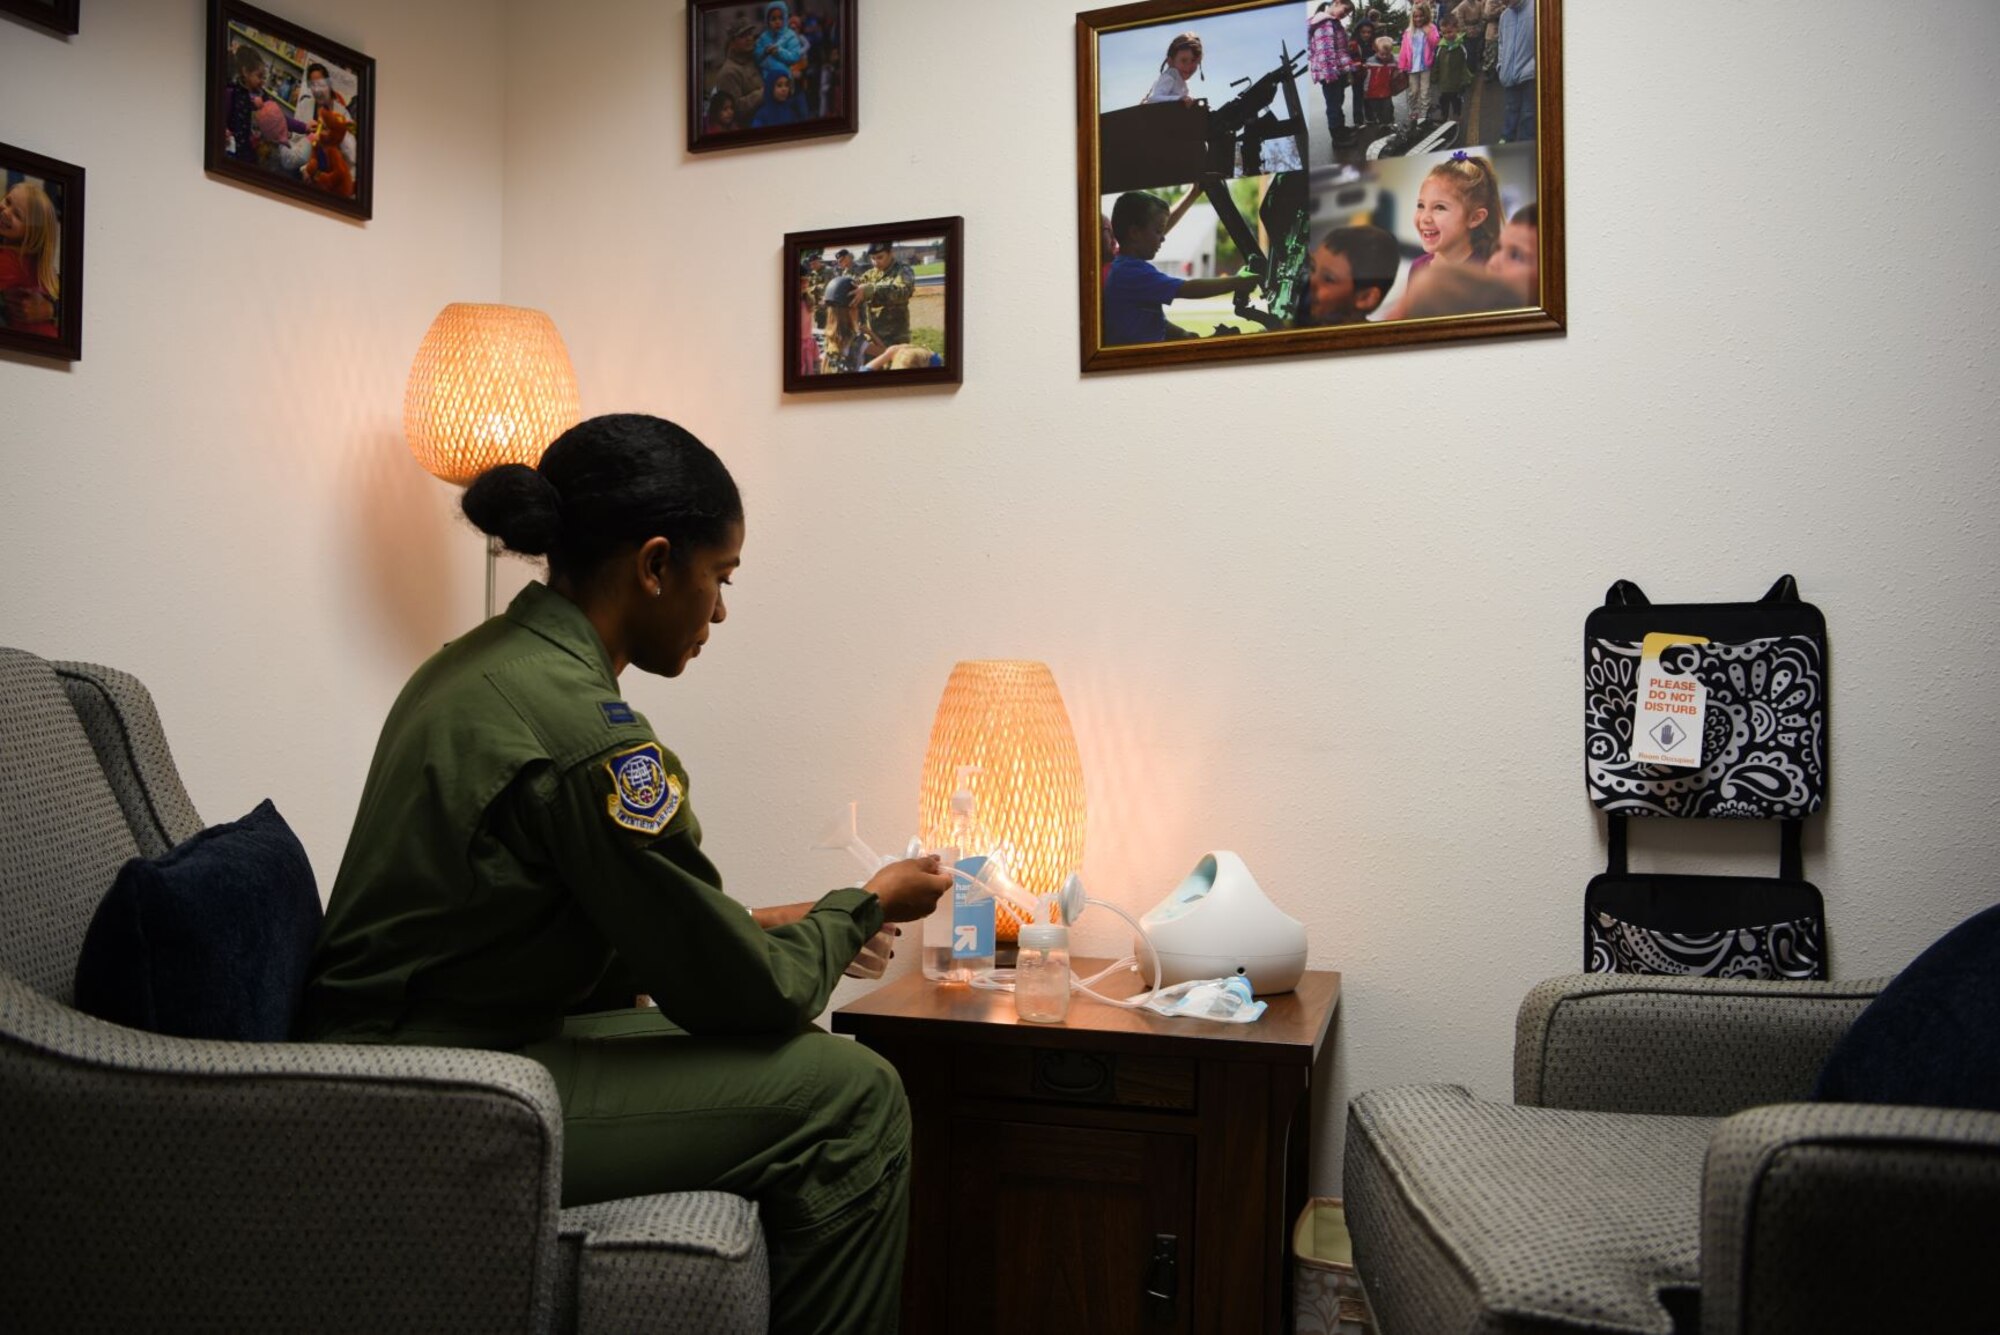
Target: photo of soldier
x,y
886,290
884,314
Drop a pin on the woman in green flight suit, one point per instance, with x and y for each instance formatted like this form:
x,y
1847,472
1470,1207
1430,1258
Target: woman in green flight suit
x,y
525,858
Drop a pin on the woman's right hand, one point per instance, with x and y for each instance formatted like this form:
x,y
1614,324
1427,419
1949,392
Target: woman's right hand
x,y
909,889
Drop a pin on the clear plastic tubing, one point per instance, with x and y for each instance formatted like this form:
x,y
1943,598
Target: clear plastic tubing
x,y
1041,974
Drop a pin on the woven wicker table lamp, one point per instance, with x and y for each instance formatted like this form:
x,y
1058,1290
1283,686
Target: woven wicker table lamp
x,y
490,385
1006,718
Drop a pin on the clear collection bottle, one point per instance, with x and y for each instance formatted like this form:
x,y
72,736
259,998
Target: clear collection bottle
x,y
1041,974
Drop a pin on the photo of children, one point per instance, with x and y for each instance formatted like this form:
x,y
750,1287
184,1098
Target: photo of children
x,y
1463,223
768,69
1230,208
290,113
31,287
868,305
1428,75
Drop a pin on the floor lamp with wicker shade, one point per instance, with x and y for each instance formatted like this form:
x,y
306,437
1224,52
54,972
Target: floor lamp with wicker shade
x,y
490,385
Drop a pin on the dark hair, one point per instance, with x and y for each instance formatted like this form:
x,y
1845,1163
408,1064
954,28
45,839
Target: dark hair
x,y
1528,215
604,485
1369,251
245,58
1133,209
317,66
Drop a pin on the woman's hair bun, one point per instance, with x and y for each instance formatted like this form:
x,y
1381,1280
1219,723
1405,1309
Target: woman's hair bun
x,y
517,505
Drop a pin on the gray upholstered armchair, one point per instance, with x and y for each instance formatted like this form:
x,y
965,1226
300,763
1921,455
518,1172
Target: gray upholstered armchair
x,y
1659,1173
159,1184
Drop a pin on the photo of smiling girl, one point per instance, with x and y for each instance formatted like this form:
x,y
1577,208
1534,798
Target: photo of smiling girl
x,y
1458,212
1183,59
41,255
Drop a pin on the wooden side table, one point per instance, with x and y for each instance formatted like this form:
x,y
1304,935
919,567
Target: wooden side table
x,y
1120,1172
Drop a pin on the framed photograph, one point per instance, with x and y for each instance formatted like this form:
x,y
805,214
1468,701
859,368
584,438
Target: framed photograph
x,y
1274,177
763,71
868,307
289,111
55,15
41,255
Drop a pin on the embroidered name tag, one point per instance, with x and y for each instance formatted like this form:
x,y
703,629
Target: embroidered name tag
x,y
617,711
644,795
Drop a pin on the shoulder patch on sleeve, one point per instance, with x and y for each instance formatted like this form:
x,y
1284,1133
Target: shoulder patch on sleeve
x,y
645,795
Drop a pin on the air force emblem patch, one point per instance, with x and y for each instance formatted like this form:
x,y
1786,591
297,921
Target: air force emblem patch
x,y
644,795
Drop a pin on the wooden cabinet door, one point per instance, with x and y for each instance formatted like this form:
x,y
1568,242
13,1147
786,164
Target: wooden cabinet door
x,y
1062,1230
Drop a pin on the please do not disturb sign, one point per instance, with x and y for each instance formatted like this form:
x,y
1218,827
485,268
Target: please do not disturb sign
x,y
1668,710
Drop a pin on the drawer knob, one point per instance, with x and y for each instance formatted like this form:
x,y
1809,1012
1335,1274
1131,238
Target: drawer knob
x,y
1073,1075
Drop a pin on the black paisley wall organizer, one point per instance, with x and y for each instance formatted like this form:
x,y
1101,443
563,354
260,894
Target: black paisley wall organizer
x,y
1762,757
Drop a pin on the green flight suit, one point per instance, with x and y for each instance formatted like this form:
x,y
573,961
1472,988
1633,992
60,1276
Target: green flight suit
x,y
885,295
525,847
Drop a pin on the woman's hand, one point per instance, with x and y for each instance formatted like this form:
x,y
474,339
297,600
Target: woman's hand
x,y
909,889
876,954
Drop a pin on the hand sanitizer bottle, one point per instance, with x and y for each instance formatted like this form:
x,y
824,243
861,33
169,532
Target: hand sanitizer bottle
x,y
958,936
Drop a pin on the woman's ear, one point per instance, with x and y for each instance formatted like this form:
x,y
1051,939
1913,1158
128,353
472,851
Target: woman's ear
x,y
654,560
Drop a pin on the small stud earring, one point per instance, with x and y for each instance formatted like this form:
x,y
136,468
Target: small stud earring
x,y
656,590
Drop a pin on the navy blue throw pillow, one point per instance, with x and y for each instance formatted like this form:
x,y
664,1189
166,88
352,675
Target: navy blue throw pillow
x,y
210,941
1932,1038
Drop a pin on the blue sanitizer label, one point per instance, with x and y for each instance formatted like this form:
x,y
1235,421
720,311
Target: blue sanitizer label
x,y
972,925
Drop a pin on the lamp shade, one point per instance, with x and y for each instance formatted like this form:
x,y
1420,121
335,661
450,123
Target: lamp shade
x,y
1006,718
490,385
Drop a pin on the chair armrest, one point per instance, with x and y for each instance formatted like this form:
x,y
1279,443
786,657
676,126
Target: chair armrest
x,y
1702,1047
269,1186
691,1261
1830,1217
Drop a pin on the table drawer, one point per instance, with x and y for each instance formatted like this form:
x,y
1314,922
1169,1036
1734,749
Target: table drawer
x,y
1071,1075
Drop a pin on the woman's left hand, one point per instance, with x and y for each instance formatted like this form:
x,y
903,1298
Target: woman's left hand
x,y
875,954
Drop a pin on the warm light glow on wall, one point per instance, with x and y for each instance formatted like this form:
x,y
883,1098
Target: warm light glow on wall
x,y
1007,717
490,385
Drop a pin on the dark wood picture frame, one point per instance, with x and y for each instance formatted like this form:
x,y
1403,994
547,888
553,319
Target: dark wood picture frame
x,y
950,284
843,118
58,16
66,344
361,107
1295,335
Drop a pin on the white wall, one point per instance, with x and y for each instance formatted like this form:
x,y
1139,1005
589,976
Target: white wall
x,y
1263,587
218,497
1259,585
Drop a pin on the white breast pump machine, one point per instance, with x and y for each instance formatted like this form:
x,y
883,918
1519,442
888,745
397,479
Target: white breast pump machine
x,y
1217,924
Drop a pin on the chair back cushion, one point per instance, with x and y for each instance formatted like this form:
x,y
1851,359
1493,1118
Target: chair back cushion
x,y
118,716
1932,1038
62,835
211,941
